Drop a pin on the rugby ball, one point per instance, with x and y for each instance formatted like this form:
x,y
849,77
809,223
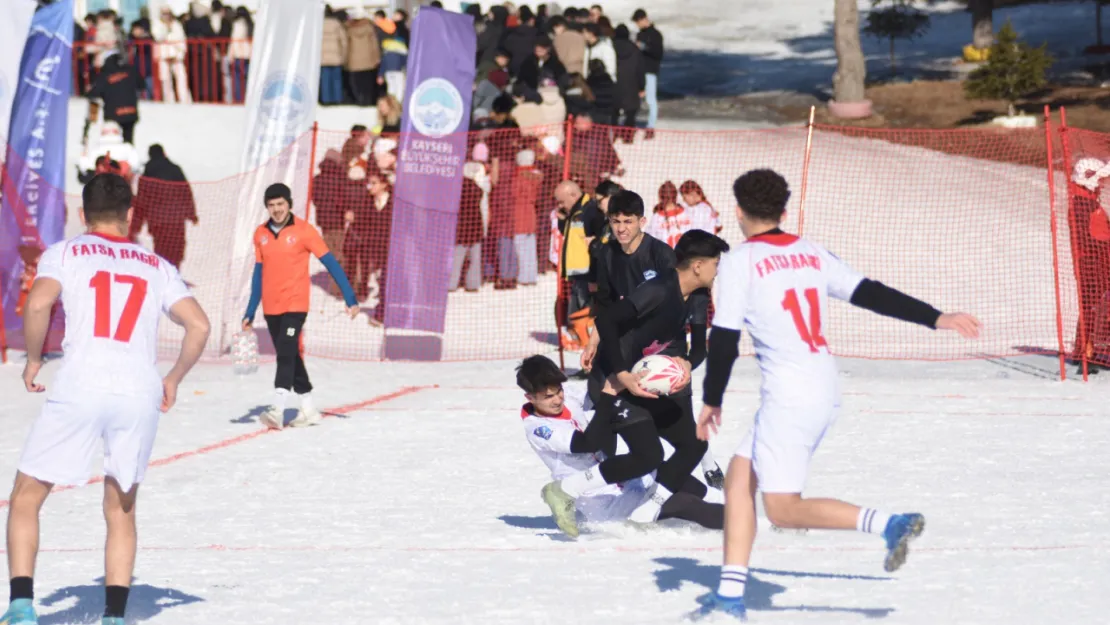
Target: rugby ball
x,y
664,374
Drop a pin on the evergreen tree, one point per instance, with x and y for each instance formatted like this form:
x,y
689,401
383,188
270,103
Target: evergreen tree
x,y
900,20
1014,70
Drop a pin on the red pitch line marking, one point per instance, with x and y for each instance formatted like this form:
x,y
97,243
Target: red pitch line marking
x,y
331,412
569,548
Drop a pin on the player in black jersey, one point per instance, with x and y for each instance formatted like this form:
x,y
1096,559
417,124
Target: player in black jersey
x,y
630,258
651,320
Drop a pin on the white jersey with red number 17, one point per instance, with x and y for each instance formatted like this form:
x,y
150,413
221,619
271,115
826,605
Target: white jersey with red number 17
x,y
113,293
777,286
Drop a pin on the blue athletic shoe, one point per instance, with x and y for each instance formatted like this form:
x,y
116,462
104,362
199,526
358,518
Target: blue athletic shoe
x,y
112,620
20,612
714,603
900,529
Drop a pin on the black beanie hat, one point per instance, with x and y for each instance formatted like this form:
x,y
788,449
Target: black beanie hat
x,y
278,190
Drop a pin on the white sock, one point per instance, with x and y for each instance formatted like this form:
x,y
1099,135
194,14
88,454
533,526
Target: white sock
x,y
872,521
733,580
582,482
307,405
648,512
281,398
708,463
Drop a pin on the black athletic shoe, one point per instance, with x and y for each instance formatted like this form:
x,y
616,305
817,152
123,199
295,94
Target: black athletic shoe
x,y
715,478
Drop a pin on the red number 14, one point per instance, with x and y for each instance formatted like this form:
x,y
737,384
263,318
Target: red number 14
x,y
811,331
102,323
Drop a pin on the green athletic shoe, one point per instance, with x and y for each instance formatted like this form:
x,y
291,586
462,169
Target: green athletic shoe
x,y
20,612
112,620
562,508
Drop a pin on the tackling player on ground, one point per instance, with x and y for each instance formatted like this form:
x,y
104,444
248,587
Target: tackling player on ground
x,y
107,389
555,420
651,320
777,286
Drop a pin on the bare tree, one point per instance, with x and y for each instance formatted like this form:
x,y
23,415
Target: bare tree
x,y
982,24
851,71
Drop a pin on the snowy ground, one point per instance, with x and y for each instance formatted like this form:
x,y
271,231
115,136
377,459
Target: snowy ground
x,y
419,503
727,48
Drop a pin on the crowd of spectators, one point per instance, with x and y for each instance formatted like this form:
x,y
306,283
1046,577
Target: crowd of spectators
x,y
553,95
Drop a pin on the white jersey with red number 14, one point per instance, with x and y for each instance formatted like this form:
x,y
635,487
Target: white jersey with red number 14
x,y
777,287
113,293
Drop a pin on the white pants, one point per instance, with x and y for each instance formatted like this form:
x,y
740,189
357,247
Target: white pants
x,y
64,440
171,72
395,85
782,441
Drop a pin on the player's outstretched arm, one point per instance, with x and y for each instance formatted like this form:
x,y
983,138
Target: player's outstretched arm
x,y
36,322
724,349
881,299
187,313
332,265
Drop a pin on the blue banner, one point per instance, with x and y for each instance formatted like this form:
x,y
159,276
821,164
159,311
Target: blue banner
x,y
32,215
430,162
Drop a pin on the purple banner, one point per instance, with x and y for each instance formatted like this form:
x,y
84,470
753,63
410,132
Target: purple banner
x,y
430,161
32,215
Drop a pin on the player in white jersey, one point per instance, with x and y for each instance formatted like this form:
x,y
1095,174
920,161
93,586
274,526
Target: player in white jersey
x,y
107,389
557,425
777,286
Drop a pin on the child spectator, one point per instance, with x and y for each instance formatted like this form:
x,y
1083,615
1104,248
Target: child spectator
x,y
669,221
702,214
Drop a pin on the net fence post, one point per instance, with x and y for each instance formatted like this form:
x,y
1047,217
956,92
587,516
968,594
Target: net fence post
x,y
1055,244
560,299
805,170
311,171
1065,146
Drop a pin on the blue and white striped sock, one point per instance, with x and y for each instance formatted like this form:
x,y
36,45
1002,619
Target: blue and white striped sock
x,y
733,580
872,521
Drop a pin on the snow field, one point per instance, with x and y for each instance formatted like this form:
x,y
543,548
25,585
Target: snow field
x,y
423,507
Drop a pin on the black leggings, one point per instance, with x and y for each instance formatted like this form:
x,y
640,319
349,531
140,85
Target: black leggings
x,y
689,505
641,423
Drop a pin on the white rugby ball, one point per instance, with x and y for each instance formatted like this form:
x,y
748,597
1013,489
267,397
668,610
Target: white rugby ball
x,y
664,374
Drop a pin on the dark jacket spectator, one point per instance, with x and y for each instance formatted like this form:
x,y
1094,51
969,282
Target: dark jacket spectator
x,y
519,42
117,84
650,41
164,202
542,65
494,34
605,93
630,71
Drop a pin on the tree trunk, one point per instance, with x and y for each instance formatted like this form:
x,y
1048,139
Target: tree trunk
x,y
851,71
982,23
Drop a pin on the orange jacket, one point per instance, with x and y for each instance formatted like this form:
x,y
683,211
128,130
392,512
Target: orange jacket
x,y
284,258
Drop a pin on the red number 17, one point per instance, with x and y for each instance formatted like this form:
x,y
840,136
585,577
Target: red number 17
x,y
102,322
811,332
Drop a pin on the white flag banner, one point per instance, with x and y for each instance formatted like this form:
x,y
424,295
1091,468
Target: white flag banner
x,y
282,87
15,23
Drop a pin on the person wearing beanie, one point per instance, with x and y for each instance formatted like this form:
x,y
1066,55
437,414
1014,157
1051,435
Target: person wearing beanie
x,y
281,283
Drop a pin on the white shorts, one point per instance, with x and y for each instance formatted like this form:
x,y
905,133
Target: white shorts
x,y
64,439
782,441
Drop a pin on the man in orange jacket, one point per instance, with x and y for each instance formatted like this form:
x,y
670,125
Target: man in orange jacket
x,y
281,282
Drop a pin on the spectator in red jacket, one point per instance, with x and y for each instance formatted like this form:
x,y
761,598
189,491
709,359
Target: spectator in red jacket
x,y
468,232
526,188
